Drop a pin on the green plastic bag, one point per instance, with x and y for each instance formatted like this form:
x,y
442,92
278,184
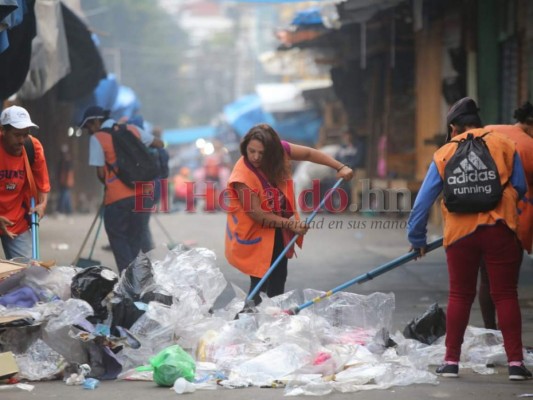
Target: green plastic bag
x,y
170,364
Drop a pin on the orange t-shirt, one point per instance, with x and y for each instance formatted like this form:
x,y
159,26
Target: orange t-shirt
x,y
524,147
14,187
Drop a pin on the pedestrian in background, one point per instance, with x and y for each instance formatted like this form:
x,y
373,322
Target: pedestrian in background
x,y
18,182
123,224
522,134
262,217
65,179
471,237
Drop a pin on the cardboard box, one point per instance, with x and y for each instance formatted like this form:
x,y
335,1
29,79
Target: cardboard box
x,y
8,268
8,365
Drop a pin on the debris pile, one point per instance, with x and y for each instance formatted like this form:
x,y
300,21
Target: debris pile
x,y
157,322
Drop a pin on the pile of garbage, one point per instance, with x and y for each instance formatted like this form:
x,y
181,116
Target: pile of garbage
x,y
157,322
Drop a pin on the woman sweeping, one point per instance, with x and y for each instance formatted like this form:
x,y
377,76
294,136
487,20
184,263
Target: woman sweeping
x,y
262,215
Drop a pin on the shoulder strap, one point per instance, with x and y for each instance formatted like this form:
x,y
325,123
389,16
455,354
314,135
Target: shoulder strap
x,y
30,150
29,174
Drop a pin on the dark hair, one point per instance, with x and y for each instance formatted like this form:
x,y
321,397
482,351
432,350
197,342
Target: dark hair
x,y
465,121
524,114
273,162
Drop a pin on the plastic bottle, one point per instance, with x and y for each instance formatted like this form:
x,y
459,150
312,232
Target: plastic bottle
x,y
183,386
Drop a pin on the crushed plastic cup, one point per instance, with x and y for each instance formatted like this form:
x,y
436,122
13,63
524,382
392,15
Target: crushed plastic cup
x,y
90,383
183,386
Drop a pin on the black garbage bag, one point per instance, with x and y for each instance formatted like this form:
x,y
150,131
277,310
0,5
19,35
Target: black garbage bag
x,y
428,327
151,295
104,364
137,278
125,313
93,284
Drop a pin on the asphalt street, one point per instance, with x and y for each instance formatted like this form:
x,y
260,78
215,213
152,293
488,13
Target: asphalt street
x,y
337,249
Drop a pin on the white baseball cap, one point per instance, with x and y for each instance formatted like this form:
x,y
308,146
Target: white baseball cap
x,y
17,117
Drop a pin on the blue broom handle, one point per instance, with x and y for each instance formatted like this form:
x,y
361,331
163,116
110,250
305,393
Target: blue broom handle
x,y
34,232
369,275
291,243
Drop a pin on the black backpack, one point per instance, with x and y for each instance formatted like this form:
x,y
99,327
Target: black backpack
x,y
134,161
471,179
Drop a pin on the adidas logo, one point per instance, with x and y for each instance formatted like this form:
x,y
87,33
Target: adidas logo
x,y
471,169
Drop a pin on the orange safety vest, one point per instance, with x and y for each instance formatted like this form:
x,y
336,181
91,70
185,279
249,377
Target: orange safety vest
x,y
248,244
458,225
524,147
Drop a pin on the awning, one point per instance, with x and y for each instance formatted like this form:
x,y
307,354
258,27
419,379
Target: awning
x,y
126,104
301,126
244,113
289,97
188,135
7,7
272,1
308,17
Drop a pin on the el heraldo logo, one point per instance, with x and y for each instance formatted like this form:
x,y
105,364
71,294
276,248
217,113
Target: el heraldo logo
x,y
472,176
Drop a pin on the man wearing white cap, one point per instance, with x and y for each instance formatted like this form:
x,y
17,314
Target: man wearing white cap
x,y
23,174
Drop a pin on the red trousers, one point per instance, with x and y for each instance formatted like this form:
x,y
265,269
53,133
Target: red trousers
x,y
498,247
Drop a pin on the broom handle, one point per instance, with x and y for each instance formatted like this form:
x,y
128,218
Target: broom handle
x,y
34,232
367,276
87,236
291,243
97,233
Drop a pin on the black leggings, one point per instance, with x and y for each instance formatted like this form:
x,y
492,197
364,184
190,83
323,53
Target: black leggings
x,y
275,284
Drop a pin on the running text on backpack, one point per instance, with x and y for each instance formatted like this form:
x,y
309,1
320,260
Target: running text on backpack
x,y
471,179
134,161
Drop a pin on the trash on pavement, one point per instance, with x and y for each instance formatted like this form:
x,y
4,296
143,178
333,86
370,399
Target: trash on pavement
x,y
428,327
8,365
183,386
170,364
161,312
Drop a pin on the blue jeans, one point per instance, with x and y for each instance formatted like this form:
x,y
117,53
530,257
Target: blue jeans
x,y
124,228
64,202
17,247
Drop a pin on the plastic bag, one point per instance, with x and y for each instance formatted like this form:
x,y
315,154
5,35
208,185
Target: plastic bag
x,y
56,280
39,362
137,277
93,284
24,297
125,314
170,364
191,272
428,327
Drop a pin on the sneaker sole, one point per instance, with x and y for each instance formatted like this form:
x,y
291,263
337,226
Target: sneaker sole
x,y
450,375
518,378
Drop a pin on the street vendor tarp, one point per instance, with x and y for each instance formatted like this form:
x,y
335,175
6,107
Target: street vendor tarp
x,y
301,127
7,7
104,96
49,59
15,58
188,135
87,66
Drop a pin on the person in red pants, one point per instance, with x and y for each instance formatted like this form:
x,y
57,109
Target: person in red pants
x,y
522,134
478,233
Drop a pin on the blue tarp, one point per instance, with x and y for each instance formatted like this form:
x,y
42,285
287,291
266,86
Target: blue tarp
x,y
301,127
188,135
110,95
270,1
126,104
310,16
